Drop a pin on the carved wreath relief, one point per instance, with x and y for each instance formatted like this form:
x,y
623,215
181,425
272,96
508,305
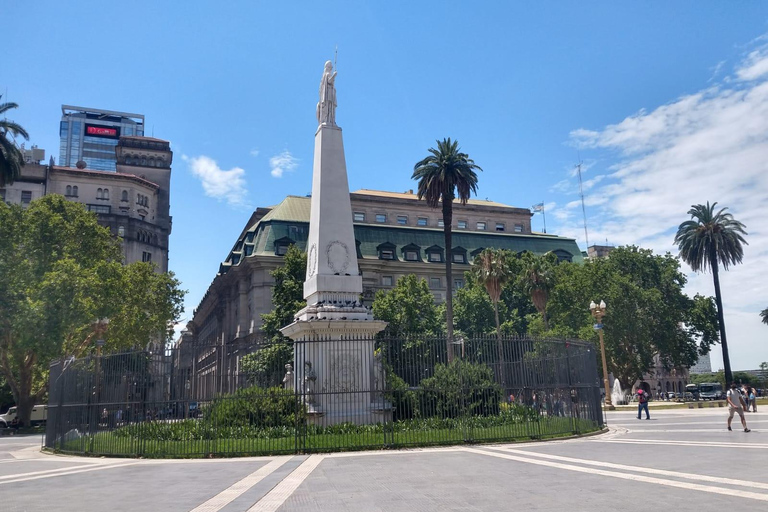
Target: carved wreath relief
x,y
312,261
337,253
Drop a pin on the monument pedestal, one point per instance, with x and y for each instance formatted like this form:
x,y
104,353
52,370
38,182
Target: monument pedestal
x,y
337,374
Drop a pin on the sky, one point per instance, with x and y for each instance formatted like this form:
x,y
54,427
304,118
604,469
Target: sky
x,y
665,105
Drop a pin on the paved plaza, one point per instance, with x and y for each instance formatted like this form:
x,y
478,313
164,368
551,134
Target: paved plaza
x,y
679,460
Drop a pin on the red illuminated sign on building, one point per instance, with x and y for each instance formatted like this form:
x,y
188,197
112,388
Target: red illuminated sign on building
x,y
100,131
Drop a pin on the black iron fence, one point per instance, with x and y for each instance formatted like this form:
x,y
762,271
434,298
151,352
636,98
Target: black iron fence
x,y
272,398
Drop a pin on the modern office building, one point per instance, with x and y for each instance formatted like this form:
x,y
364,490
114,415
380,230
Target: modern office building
x,y
703,365
396,235
133,201
91,135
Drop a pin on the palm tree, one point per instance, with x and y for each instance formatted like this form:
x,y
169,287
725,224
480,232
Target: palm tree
x,y
537,279
710,239
11,159
492,271
764,315
445,174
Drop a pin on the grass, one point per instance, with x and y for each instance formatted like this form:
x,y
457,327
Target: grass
x,y
387,437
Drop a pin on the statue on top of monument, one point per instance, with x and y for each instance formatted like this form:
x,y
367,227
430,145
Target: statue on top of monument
x,y
326,107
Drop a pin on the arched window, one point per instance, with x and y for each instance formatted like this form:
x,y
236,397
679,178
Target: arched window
x,y
144,161
106,194
69,190
74,191
151,162
99,194
124,196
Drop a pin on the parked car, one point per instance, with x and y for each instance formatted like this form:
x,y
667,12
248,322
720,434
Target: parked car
x,y
38,416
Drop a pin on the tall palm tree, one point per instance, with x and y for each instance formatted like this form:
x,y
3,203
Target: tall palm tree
x,y
444,175
491,269
11,158
537,279
711,239
764,315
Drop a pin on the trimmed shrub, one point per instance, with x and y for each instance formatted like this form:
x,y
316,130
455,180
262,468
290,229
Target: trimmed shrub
x,y
255,407
458,389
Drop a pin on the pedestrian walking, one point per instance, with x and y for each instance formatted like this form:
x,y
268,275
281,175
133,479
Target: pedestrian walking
x,y
753,399
735,406
642,404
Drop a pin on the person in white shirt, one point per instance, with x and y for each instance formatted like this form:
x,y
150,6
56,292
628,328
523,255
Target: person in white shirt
x,y
735,406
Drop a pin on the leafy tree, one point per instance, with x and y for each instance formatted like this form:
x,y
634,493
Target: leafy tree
x,y
537,278
647,313
709,240
764,316
267,366
11,158
444,175
287,294
473,309
701,378
60,272
409,308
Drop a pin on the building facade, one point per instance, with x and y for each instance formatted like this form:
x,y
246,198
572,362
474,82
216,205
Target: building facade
x,y
91,135
395,235
133,201
703,365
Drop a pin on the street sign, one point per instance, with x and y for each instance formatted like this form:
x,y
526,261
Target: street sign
x,y
598,326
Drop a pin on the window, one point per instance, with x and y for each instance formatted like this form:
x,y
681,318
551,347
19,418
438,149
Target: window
x,y
499,226
74,191
440,223
401,219
26,196
518,228
106,194
422,221
121,231
435,282
98,194
462,224
281,250
459,257
387,254
69,191
481,226
146,256
124,196
293,232
435,257
359,217
381,217
99,208
458,284
411,256
387,280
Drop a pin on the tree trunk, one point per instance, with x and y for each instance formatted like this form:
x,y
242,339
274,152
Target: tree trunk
x,y
500,347
447,221
721,320
544,317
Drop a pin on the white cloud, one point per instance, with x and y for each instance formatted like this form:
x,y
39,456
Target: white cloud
x,y
254,152
707,146
218,183
281,163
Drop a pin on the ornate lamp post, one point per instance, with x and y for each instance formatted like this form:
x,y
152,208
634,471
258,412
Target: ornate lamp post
x,y
599,312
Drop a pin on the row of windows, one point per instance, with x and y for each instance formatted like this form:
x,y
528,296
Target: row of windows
x,y
146,256
99,208
102,193
142,200
434,282
151,162
424,222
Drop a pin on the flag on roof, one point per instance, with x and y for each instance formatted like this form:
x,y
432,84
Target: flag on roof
x,y
538,207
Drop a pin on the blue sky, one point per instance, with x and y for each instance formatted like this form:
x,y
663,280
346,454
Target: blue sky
x,y
665,103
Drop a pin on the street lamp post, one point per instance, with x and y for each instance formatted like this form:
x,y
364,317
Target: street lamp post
x,y
599,312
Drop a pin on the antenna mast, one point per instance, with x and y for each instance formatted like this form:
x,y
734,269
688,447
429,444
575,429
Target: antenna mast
x,y
583,209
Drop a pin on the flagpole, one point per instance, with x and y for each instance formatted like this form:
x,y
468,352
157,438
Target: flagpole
x,y
544,216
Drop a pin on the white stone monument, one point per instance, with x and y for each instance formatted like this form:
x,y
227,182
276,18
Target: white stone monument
x,y
334,333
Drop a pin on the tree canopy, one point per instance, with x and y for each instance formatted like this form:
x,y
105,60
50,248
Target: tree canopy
x,y
408,308
647,314
60,272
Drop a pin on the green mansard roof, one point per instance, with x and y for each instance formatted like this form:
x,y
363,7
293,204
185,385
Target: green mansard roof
x,y
289,220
